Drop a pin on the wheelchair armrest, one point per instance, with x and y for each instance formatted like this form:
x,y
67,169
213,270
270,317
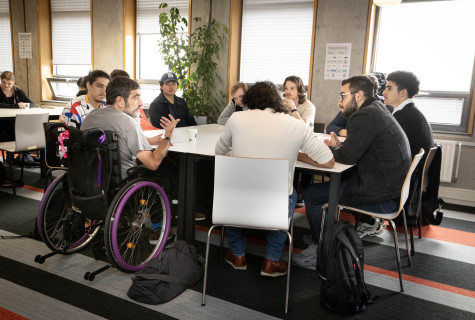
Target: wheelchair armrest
x,y
138,170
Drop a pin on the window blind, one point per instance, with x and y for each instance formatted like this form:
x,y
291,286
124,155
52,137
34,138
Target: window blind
x,y
71,32
148,12
6,61
276,40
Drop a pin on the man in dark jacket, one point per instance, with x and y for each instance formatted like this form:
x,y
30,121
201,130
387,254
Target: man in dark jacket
x,y
402,86
168,103
378,146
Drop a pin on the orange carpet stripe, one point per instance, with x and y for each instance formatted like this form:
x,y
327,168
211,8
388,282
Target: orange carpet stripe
x,y
424,282
41,190
8,315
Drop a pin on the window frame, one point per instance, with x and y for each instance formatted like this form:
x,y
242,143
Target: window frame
x,y
468,110
236,72
9,14
67,78
138,40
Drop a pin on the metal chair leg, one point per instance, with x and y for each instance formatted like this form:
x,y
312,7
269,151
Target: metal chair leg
x,y
396,246
12,178
411,236
205,277
407,241
419,223
289,264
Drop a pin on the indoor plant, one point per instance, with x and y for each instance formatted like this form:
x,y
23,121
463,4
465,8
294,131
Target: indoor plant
x,y
193,58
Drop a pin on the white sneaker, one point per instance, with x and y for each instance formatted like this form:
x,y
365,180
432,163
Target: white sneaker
x,y
370,230
307,257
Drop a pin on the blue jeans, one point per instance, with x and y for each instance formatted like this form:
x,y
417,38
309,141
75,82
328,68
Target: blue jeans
x,y
318,194
275,239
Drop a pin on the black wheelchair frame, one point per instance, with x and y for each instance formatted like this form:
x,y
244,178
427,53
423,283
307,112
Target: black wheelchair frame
x,y
90,195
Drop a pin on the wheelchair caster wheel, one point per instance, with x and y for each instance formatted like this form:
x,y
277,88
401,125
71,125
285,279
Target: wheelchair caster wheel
x,y
89,276
39,259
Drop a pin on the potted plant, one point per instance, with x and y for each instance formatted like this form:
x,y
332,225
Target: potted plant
x,y
193,59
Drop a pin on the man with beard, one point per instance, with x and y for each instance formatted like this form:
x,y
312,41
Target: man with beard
x,y
378,146
123,103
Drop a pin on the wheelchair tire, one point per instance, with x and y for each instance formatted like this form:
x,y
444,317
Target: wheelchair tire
x,y
138,210
54,207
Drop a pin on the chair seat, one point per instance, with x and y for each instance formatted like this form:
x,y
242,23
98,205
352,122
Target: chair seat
x,y
8,146
391,215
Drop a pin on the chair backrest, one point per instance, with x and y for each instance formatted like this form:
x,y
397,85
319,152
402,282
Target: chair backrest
x,y
251,192
52,130
425,170
28,131
407,182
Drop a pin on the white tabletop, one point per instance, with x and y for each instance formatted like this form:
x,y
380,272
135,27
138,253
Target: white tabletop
x,y
12,112
209,134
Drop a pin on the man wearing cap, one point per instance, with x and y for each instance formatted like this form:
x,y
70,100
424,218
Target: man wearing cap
x,y
168,103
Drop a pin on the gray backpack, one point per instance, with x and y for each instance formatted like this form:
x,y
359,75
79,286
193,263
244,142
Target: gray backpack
x,y
178,267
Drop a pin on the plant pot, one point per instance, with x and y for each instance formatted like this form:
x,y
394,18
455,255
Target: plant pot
x,y
201,120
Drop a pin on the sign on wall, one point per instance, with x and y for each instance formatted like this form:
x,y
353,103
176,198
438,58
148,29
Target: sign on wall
x,y
337,61
25,45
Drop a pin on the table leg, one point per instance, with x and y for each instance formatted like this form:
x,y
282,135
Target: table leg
x,y
189,232
181,223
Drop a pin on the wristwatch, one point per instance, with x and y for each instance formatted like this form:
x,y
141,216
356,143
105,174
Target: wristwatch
x,y
167,138
293,111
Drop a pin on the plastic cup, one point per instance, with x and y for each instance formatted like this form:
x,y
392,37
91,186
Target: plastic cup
x,y
192,135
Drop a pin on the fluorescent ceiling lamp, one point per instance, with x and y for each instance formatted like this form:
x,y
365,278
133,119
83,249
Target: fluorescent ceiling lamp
x,y
386,2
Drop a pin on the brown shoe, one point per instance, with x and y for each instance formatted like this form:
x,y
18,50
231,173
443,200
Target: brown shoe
x,y
236,262
273,268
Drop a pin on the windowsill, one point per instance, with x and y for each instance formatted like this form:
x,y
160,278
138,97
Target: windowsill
x,y
456,136
53,103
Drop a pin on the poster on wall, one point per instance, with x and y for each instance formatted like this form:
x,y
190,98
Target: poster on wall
x,y
25,45
337,61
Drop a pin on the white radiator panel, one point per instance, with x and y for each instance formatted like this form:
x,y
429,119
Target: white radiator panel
x,y
448,159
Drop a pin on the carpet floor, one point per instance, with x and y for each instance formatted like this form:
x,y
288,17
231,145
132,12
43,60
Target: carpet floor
x,y
439,285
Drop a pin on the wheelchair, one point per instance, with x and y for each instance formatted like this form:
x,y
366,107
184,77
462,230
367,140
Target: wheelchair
x,y
91,197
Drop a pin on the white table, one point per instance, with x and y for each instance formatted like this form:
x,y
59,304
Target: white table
x,y
12,112
204,147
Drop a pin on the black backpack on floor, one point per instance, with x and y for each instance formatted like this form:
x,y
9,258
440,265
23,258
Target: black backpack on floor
x,y
340,267
178,267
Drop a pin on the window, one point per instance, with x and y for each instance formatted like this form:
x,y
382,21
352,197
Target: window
x,y
276,40
6,62
71,42
439,49
150,65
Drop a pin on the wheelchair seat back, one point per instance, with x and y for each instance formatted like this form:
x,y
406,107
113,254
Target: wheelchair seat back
x,y
93,170
53,152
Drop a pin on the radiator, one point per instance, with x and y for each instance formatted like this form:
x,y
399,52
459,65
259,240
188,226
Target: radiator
x,y
448,160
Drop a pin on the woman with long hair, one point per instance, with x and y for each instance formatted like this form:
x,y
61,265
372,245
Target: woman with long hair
x,y
10,95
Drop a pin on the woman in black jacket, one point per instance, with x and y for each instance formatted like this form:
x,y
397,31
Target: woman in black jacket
x,y
12,96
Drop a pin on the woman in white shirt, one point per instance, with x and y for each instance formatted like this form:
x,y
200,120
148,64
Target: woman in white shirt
x,y
296,100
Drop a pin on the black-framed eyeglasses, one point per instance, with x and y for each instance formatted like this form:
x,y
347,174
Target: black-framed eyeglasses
x,y
342,95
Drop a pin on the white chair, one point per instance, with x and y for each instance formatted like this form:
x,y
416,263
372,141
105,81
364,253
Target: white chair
x,y
28,137
393,215
251,193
